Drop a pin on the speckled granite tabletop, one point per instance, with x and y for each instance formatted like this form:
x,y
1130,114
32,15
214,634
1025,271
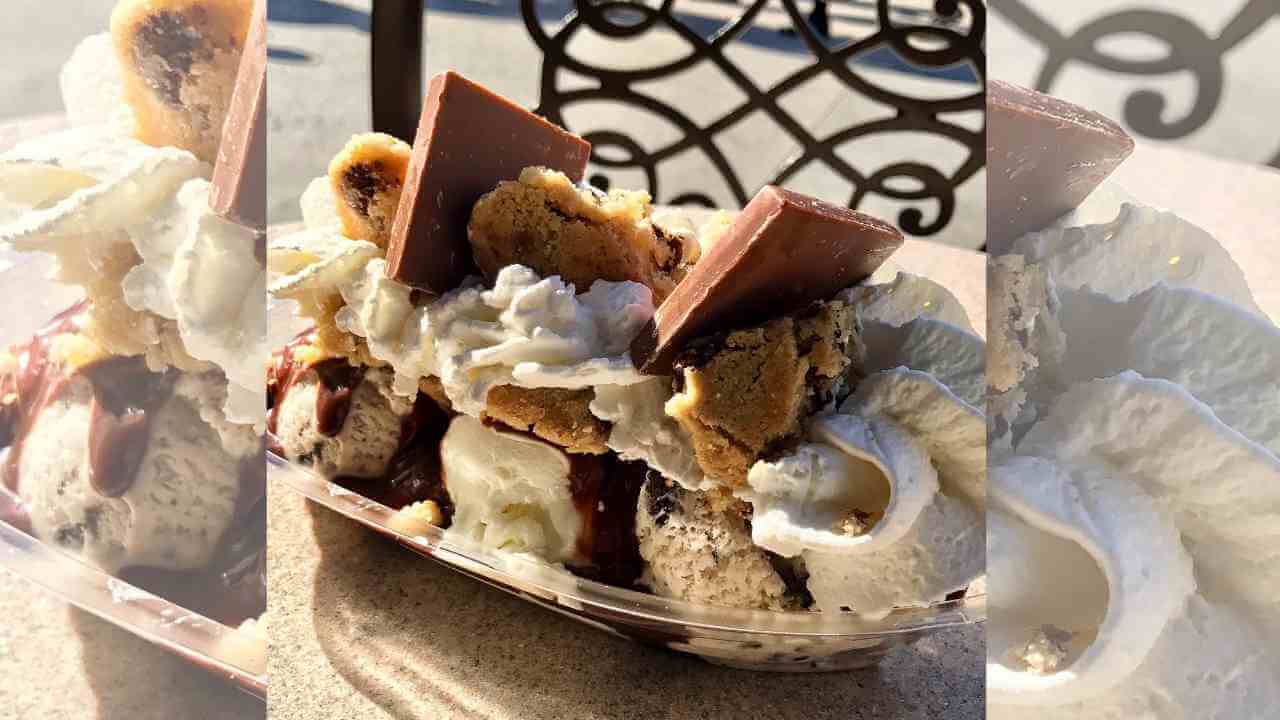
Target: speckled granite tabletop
x,y
59,662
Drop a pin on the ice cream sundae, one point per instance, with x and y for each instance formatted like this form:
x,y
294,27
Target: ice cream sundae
x,y
756,412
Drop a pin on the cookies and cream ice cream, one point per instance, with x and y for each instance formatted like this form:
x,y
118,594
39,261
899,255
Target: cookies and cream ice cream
x,y
819,447
1134,534
132,425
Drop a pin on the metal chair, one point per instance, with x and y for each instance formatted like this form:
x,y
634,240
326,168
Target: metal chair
x,y
932,37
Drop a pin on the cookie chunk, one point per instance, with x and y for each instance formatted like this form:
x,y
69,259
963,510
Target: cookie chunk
x,y
547,223
367,177
109,321
178,59
557,415
743,396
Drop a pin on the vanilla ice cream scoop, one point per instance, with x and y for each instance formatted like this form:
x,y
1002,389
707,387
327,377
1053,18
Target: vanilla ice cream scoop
x,y
511,492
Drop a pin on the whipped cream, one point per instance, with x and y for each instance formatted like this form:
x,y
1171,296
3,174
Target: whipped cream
x,y
1135,483
642,430
88,190
526,330
884,503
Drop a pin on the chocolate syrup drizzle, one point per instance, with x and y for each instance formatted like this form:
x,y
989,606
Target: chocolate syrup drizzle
x,y
414,472
605,489
338,382
124,394
606,499
232,587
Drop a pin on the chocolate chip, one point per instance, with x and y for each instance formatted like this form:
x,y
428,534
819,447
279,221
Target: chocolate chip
x,y
171,39
662,498
70,536
360,183
794,577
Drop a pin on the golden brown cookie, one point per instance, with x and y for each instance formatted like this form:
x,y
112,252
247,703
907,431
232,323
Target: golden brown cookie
x,y
547,223
744,395
559,416
367,177
178,61
434,389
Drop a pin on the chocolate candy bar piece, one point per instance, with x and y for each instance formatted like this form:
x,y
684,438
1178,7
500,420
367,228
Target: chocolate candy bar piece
x,y
469,140
1044,157
239,191
784,251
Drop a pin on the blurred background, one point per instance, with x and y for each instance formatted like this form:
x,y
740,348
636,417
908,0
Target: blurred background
x,y
37,43
878,104
1198,74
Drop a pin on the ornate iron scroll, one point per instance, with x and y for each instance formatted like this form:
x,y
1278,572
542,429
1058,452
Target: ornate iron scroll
x,y
1193,51
933,45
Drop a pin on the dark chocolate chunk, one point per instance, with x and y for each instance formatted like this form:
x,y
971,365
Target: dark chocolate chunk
x,y
362,183
1044,157
239,190
168,45
784,251
469,140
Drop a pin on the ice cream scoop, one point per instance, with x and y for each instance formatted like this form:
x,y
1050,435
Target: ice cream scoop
x,y
516,493
697,547
117,463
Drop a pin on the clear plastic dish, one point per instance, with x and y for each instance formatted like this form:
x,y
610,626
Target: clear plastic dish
x,y
748,639
31,300
734,637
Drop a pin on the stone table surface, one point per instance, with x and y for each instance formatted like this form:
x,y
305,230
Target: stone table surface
x,y
363,628
59,662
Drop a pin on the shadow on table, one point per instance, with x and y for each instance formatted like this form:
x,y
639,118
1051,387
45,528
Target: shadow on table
x,y
137,680
410,634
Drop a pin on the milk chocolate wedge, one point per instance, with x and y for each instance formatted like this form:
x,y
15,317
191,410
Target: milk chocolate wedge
x,y
469,140
783,251
239,191
1044,157
367,177
179,60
